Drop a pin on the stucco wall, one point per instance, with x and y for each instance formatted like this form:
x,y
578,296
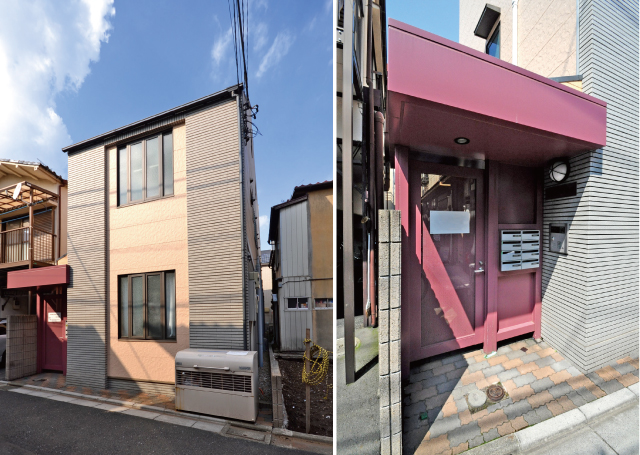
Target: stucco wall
x,y
546,33
321,226
148,237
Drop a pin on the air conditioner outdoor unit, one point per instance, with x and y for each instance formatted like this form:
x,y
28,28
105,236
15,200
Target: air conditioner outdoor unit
x,y
218,382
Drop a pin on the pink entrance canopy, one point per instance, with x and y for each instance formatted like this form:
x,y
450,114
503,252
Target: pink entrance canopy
x,y
439,90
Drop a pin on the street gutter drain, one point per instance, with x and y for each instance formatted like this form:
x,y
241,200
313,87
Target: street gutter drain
x,y
495,393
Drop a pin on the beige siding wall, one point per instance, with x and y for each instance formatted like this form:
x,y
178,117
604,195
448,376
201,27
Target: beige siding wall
x,y
216,313
149,237
546,33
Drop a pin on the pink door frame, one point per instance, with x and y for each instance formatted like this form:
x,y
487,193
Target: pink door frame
x,y
416,241
487,330
41,312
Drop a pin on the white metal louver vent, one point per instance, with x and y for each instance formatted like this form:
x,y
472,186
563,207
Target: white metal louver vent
x,y
221,383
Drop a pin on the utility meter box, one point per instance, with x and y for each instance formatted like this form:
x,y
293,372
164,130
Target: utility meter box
x,y
558,238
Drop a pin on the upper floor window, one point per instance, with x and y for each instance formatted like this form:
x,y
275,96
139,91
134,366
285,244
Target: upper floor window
x,y
145,169
493,43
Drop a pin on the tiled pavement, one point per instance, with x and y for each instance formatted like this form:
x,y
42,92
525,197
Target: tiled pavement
x,y
58,381
540,384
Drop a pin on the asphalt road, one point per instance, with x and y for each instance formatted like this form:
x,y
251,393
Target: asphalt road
x,y
38,425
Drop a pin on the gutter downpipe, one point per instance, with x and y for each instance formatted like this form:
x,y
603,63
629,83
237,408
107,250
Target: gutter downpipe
x,y
260,316
242,217
514,50
577,36
372,168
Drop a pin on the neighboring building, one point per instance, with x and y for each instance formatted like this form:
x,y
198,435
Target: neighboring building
x,y
361,65
301,233
265,275
33,248
589,295
164,243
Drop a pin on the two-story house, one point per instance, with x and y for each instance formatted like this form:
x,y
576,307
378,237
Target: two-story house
x,y
163,243
301,235
33,277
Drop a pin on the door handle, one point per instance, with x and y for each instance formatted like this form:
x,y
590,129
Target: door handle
x,y
480,270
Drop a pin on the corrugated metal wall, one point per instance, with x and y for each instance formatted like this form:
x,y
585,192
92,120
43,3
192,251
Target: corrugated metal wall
x,y
216,312
295,265
86,298
590,296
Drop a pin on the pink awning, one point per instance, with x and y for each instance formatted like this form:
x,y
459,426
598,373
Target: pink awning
x,y
439,90
41,276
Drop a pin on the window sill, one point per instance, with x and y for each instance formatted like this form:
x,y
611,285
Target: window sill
x,y
159,198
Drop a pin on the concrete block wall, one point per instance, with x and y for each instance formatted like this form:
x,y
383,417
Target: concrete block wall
x,y
22,346
279,413
389,268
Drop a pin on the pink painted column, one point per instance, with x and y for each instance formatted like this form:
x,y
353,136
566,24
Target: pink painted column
x,y
402,205
537,306
493,259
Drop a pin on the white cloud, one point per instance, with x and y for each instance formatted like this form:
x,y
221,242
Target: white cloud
x,y
221,46
264,222
46,47
258,35
280,47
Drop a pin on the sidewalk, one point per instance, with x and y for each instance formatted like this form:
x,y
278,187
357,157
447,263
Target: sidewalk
x,y
607,426
156,407
357,404
438,417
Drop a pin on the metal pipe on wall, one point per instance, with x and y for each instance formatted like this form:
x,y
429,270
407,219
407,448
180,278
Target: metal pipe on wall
x,y
514,50
347,195
371,156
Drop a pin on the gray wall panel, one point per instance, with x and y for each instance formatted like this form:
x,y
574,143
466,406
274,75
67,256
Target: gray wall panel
x,y
590,296
216,311
87,292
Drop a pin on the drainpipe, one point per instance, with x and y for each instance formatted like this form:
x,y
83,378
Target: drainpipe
x,y
260,315
372,170
577,36
514,51
59,221
242,233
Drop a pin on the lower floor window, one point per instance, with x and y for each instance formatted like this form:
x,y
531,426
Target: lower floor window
x,y
323,303
297,303
147,306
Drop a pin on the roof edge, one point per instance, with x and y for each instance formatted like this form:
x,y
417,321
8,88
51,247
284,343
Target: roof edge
x,y
184,108
401,26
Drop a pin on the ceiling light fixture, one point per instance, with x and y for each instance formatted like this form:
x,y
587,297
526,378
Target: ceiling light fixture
x,y
461,140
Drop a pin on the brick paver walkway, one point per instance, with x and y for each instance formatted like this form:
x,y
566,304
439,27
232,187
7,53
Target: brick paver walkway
x,y
58,381
539,382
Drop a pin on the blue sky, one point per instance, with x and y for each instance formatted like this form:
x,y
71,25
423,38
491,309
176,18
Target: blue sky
x,y
436,16
73,69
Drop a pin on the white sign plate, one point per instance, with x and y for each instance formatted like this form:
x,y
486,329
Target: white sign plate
x,y
445,222
55,317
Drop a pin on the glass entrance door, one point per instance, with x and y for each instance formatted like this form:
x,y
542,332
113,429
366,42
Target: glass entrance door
x,y
450,245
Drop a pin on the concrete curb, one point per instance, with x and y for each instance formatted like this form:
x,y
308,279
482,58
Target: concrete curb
x,y
183,415
296,434
536,435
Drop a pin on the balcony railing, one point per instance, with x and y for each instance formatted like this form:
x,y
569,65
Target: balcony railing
x,y
14,246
